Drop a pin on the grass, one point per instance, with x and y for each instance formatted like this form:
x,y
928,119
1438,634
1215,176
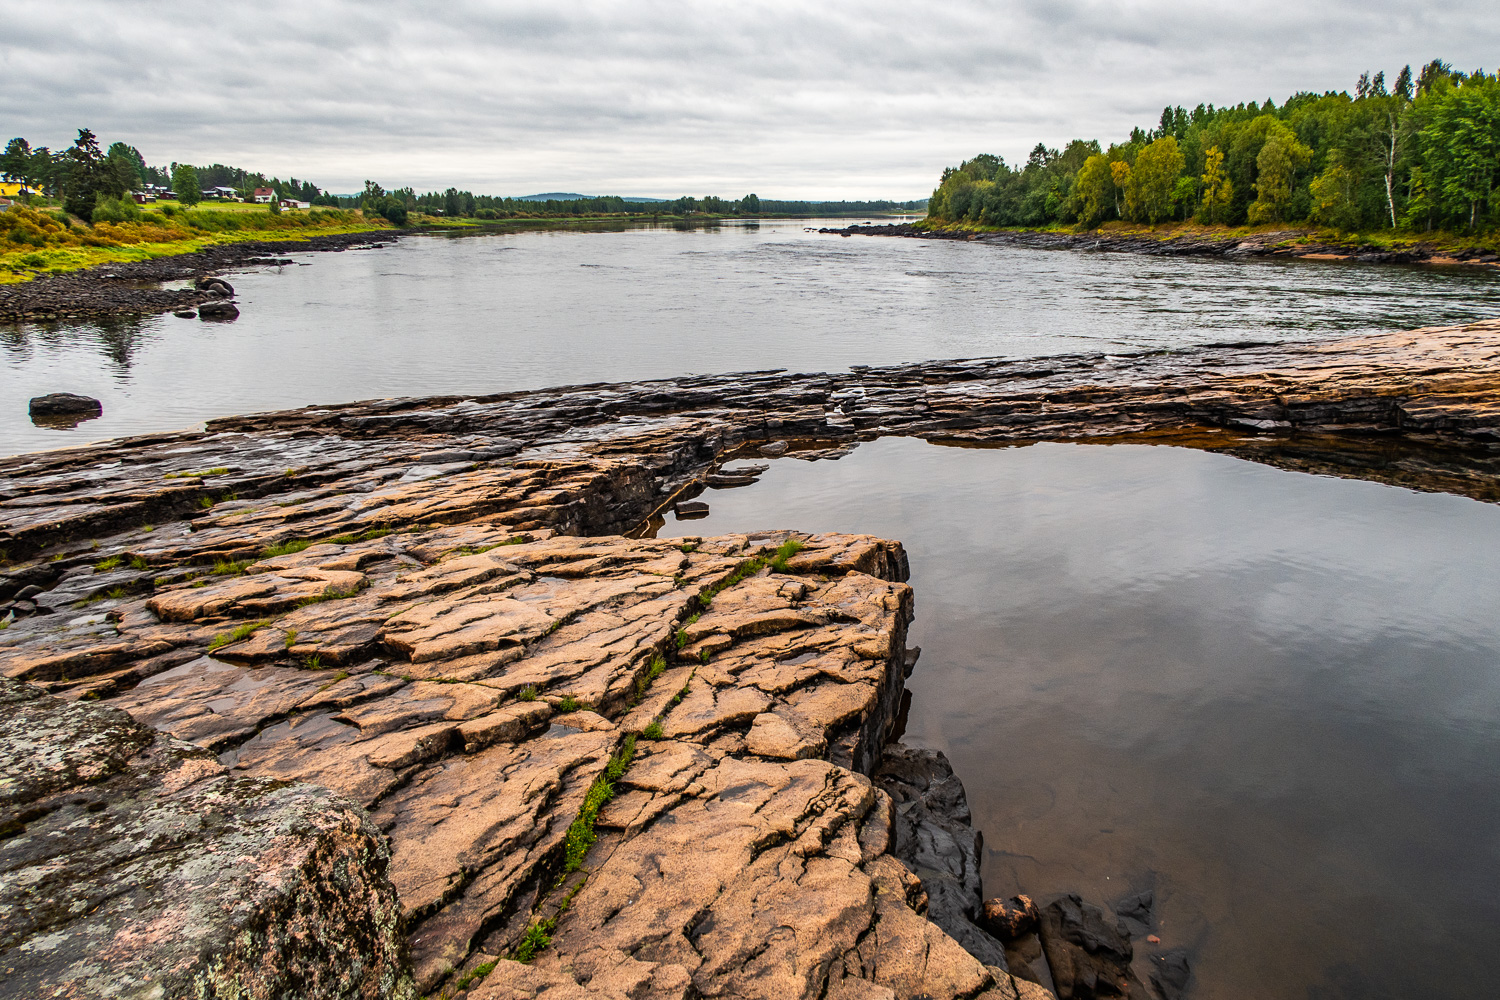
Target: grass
x,y
643,683
570,704
285,548
240,632
136,562
217,470
34,242
653,731
581,837
478,972
365,536
313,662
750,567
331,594
688,547
527,693
231,567
105,565
291,638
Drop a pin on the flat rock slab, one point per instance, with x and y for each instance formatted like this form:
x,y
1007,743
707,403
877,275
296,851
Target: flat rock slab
x,y
135,865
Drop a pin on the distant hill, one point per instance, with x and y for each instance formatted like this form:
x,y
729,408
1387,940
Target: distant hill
x,y
569,196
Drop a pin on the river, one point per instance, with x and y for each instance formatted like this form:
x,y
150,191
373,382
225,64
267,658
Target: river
x,y
524,310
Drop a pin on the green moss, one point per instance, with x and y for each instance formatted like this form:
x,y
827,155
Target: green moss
x,y
105,565
238,633
231,567
216,471
291,638
285,548
136,562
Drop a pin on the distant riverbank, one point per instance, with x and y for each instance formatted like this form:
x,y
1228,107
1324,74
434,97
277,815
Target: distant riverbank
x,y
1209,241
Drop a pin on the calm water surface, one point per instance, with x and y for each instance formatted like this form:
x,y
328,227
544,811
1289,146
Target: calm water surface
x,y
1273,698
479,314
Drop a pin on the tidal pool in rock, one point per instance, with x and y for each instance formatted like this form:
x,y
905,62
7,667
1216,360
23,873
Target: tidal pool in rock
x,y
1271,698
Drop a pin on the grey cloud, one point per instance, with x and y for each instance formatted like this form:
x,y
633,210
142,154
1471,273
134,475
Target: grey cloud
x,y
838,99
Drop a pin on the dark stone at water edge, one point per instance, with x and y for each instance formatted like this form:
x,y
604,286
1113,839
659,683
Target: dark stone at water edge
x,y
219,309
209,284
1088,952
690,508
1170,974
185,314
65,404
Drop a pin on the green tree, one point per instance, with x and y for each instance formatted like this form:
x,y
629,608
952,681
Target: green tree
x,y
16,160
1218,189
1461,140
751,203
1276,168
128,163
185,184
1119,172
88,175
1152,180
1333,194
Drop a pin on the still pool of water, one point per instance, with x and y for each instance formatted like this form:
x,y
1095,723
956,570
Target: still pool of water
x,y
1270,697
524,310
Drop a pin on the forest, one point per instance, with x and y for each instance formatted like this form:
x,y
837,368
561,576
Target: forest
x,y
1420,154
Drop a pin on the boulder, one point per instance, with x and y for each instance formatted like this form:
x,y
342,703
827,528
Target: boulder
x,y
690,508
135,865
185,313
207,283
65,404
1008,919
774,448
218,309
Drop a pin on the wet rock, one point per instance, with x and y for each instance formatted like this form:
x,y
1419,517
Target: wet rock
x,y
934,839
774,448
210,282
185,313
686,509
1088,951
220,310
1170,974
64,404
1008,919
135,865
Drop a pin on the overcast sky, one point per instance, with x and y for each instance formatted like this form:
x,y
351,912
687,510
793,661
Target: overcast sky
x,y
786,99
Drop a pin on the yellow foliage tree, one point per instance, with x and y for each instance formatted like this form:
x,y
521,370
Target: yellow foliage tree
x,y
1149,186
1218,189
1095,185
1119,172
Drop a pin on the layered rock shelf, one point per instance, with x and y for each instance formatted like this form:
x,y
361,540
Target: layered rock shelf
x,y
406,679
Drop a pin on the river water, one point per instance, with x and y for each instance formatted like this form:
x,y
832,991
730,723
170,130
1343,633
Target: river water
x,y
1271,698
481,314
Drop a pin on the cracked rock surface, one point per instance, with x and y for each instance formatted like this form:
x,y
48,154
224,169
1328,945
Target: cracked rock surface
x,y
422,628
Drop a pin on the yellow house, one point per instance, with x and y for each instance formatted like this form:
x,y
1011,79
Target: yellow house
x,y
9,189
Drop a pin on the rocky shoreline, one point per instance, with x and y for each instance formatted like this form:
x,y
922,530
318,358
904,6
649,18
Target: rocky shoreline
x,y
130,288
1284,244
438,701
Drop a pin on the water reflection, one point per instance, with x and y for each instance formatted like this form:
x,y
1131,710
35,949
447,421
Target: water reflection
x,y
1272,698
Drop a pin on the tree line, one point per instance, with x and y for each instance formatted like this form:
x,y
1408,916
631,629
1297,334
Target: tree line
x,y
1420,154
84,173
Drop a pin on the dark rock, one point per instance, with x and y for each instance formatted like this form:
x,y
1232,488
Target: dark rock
x,y
774,448
690,509
218,310
205,284
934,839
185,314
1008,919
1170,974
135,865
31,590
65,404
1088,952
1136,908
720,481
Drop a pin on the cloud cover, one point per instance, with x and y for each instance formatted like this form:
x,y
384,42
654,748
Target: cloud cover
x,y
665,98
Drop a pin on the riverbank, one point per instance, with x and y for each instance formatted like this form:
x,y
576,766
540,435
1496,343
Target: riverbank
x,y
635,764
131,287
1207,241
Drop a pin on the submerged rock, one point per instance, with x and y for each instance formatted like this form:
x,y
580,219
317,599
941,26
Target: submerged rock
x,y
218,309
1088,952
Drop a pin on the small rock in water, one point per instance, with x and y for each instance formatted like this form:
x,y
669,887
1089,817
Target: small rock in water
x,y
774,448
59,404
690,509
1153,939
186,313
1008,919
219,309
207,283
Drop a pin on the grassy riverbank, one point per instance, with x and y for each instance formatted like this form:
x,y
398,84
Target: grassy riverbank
x,y
1439,242
36,241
